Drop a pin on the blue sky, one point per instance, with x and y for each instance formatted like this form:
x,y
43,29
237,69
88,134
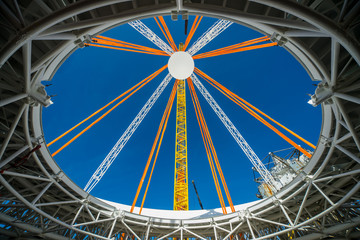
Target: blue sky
x,y
271,79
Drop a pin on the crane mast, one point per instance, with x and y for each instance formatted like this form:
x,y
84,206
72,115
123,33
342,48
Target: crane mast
x,y
181,195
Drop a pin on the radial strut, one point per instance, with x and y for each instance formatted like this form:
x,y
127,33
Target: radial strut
x,y
146,32
254,159
104,166
217,28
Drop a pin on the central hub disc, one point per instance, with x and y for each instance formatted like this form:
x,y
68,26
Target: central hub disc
x,y
181,65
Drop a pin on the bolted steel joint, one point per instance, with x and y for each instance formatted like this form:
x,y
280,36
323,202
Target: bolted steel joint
x,y
322,94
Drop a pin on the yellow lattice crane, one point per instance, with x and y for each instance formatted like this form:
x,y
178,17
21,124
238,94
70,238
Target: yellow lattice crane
x,y
181,196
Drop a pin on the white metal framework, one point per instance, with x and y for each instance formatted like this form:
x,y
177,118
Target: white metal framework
x,y
146,32
114,152
251,155
217,28
39,201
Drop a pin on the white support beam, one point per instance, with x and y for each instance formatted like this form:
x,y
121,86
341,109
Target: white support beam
x,y
323,194
11,130
41,193
109,159
93,222
304,33
286,214
146,32
57,36
347,97
26,51
222,229
179,5
217,28
194,234
56,203
251,230
302,204
348,122
335,50
148,231
269,221
89,212
123,222
12,156
170,233
112,228
77,214
251,155
347,152
355,172
12,99
343,138
22,175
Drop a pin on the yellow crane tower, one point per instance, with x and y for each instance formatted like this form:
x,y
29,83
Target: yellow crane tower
x,y
181,196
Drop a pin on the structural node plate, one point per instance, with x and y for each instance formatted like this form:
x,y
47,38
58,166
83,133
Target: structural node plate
x,y
181,65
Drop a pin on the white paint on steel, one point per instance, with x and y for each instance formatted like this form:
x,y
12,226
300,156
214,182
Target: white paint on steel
x,y
146,32
181,65
104,166
295,16
251,155
217,28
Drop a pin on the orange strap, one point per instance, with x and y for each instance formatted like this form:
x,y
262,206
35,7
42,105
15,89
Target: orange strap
x,y
143,83
125,49
96,112
238,50
167,111
114,42
243,44
259,111
209,146
240,47
205,140
165,116
192,31
166,32
238,101
215,155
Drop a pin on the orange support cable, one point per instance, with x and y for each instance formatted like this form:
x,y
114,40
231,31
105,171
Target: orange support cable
x,y
124,49
210,149
172,96
114,42
192,31
259,111
242,49
143,83
242,44
235,46
162,30
96,112
211,144
163,127
166,32
207,148
216,181
232,97
205,140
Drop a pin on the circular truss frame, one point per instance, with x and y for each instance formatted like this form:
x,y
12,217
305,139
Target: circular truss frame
x,y
38,199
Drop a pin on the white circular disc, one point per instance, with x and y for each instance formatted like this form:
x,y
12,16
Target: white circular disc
x,y
181,65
